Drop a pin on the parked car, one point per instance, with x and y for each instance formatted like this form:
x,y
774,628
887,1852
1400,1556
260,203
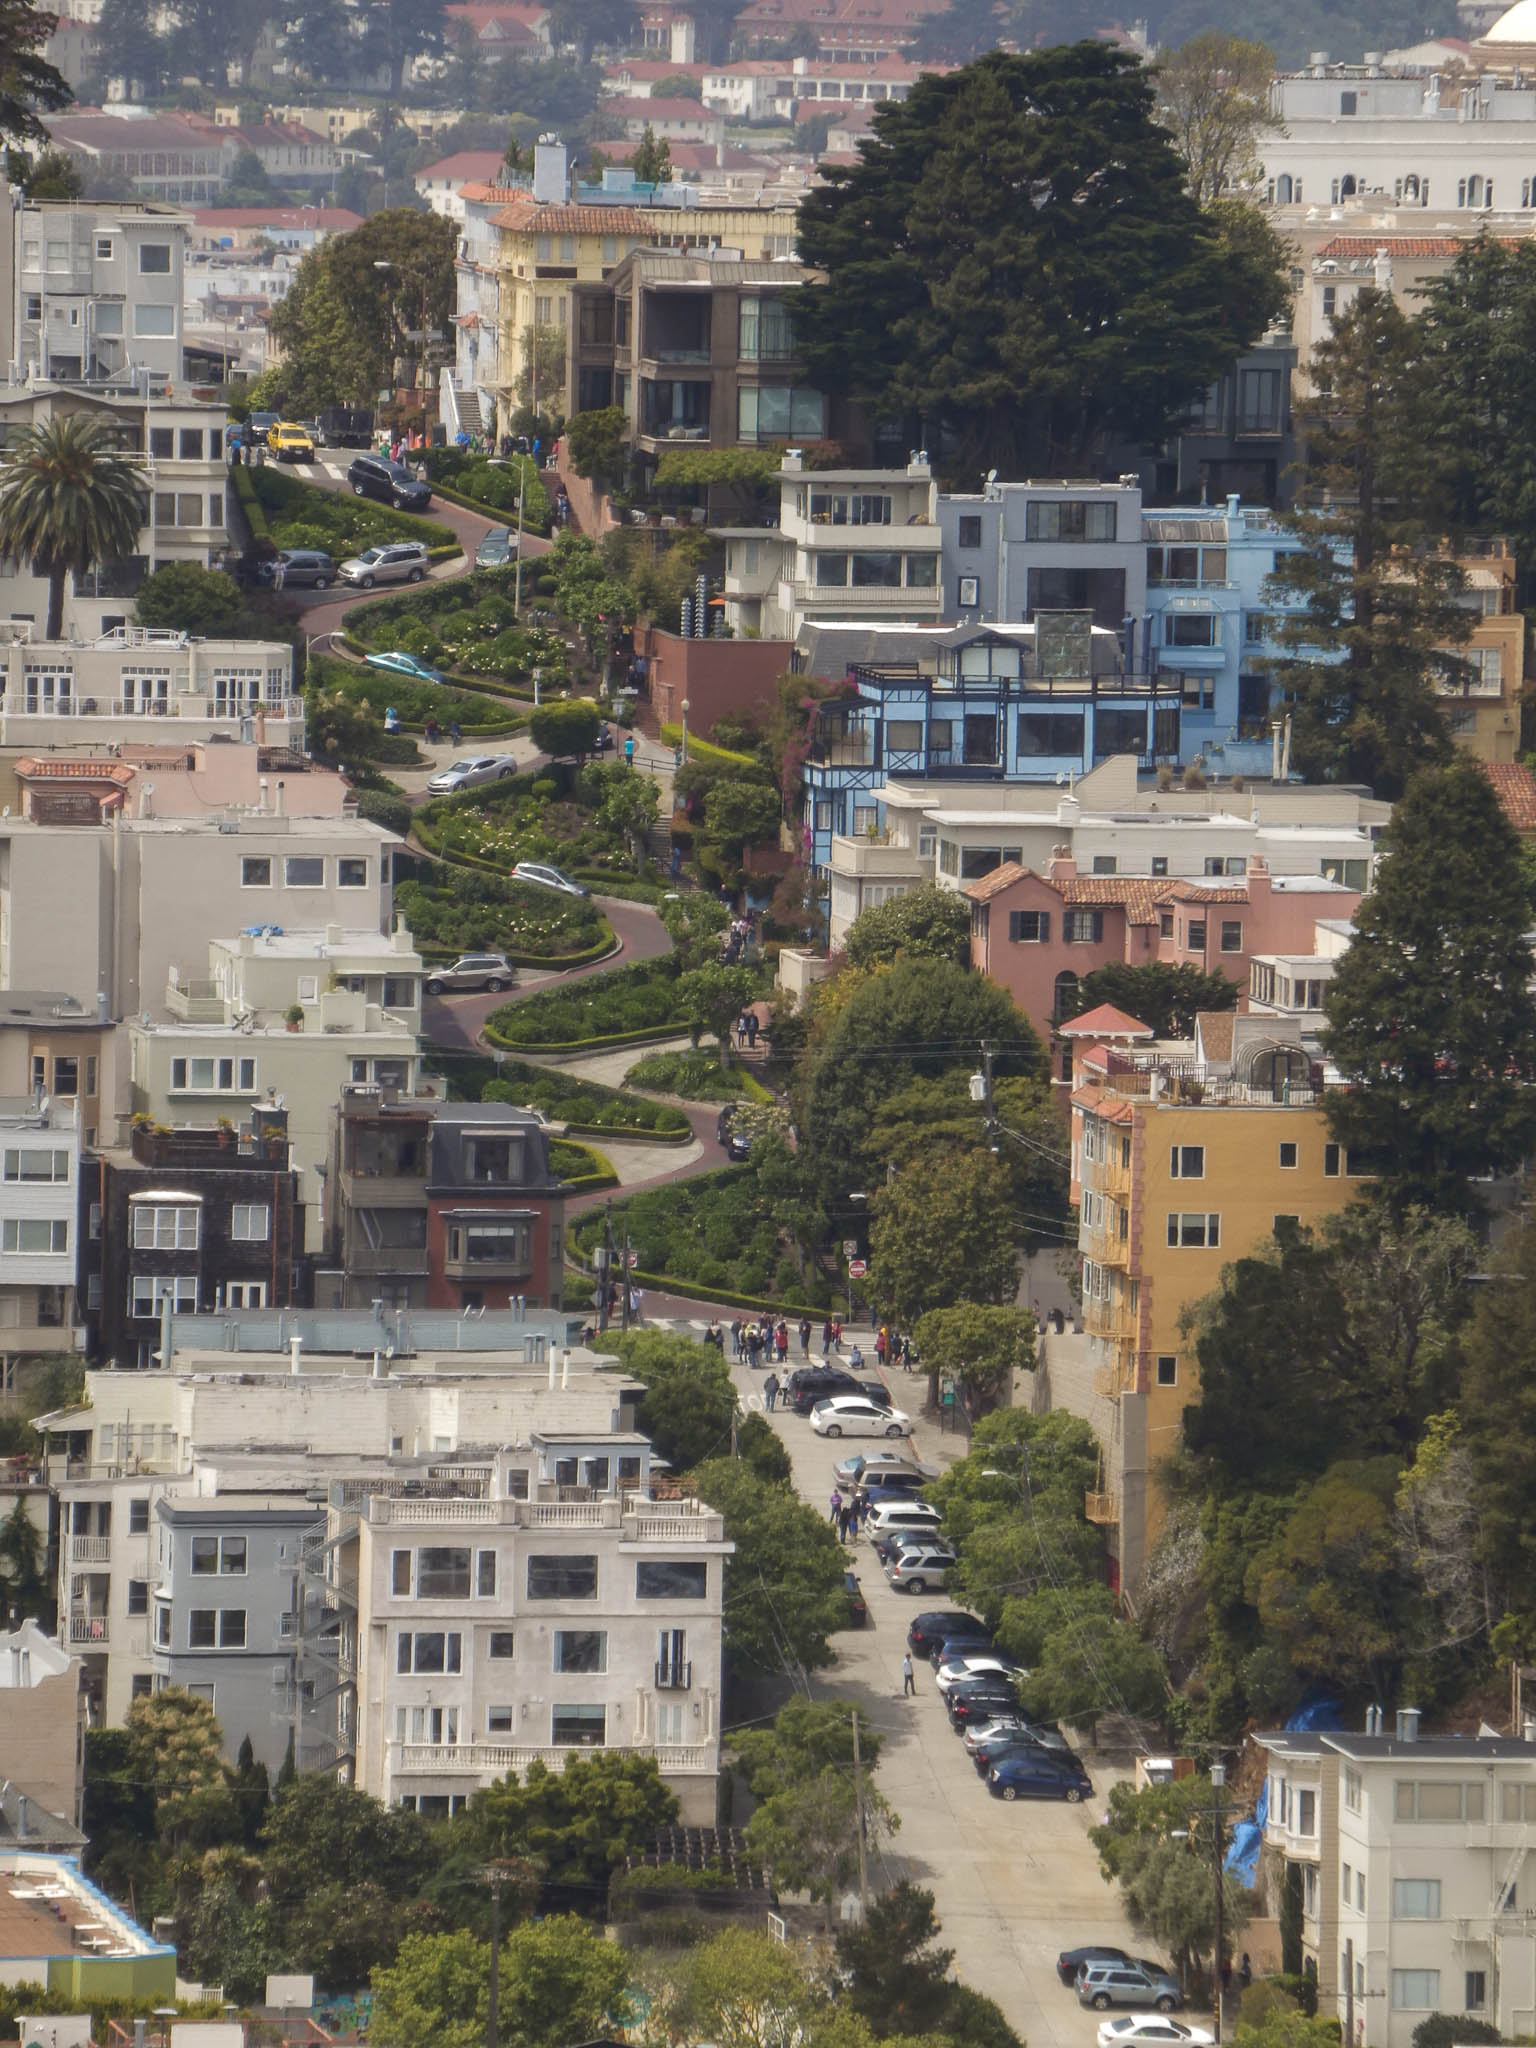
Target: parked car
x,y
879,1462
398,561
1036,1774
918,1571
375,476
1013,1730
259,426
1014,1742
857,1415
405,665
808,1384
1102,1985
978,1702
306,568
469,772
936,1625
497,548
471,970
976,1664
546,877
1073,1960
878,1495
1155,2030
905,1518
977,1638
737,1141
858,1606
290,442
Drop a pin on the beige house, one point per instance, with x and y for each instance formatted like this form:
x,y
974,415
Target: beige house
x,y
140,685
224,1040
42,1720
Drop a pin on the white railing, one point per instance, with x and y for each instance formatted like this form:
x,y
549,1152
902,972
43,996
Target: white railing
x,y
475,1758
88,1628
186,704
90,1549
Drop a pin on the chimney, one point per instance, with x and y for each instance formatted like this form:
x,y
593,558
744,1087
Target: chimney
x,y
295,1346
1407,1724
1061,867
1373,1720
261,786
102,1013
23,1828
793,459
277,801
551,1372
565,1368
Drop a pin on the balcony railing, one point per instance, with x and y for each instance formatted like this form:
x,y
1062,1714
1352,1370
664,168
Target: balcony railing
x,y
21,704
674,1677
90,1628
475,1759
90,1549
1102,1509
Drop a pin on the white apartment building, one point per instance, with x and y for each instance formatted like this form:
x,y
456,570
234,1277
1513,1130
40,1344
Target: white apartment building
x,y
178,445
1110,825
125,684
550,1614
851,545
144,895
39,1207
1413,1855
1421,140
226,1038
92,290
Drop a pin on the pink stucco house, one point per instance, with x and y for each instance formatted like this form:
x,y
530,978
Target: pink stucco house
x,y
1037,935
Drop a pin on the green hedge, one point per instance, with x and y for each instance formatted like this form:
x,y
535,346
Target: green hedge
x,y
491,487
636,1001
451,913
584,1105
502,823
582,1167
295,514
697,1076
702,750
712,1235
478,715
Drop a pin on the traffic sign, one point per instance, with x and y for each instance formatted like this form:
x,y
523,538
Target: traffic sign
x,y
857,1268
850,1247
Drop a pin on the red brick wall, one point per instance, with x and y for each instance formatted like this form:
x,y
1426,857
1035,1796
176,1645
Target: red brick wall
x,y
714,675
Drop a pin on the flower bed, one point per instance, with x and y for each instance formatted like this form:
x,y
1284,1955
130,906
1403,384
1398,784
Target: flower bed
x,y
491,487
452,912
468,626
476,715
696,1075
294,514
631,1002
711,1235
580,1105
502,823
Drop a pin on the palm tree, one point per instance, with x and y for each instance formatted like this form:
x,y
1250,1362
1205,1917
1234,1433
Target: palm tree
x,y
68,500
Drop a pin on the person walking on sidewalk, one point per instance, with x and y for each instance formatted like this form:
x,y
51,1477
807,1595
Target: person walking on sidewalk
x,y
836,1507
770,1391
805,1336
908,1688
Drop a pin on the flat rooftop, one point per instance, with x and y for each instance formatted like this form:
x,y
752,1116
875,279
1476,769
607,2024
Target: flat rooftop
x,y
48,1910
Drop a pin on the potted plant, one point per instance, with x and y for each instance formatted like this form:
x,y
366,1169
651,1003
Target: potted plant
x,y
293,1016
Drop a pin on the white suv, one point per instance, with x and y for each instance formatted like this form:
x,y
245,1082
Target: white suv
x,y
397,561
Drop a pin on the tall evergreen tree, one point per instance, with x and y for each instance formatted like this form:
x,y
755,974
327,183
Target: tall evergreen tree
x,y
1014,266
29,86
1372,617
1498,1421
1430,1015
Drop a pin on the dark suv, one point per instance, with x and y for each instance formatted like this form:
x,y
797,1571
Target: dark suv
x,y
375,476
809,1384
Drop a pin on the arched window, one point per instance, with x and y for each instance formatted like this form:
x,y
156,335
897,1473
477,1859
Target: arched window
x,y
1411,189
1282,191
1065,996
1348,186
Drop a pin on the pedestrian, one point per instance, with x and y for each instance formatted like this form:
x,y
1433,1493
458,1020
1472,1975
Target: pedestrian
x,y
882,1340
741,1030
752,1030
781,1341
845,1522
279,571
826,1336
837,1334
753,1343
736,1334
855,1360
1226,1979
454,734
805,1336
908,1683
770,1391
836,1505
1244,1972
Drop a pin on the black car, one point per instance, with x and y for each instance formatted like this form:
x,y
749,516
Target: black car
x,y
936,1625
738,1145
809,1384
971,1642
966,1707
858,1606
375,476
1023,1737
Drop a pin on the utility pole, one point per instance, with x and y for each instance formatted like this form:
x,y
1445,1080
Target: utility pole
x,y
624,1284
981,1094
1349,1994
1216,1813
492,2017
858,1795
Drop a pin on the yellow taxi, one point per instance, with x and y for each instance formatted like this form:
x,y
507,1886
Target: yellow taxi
x,y
289,442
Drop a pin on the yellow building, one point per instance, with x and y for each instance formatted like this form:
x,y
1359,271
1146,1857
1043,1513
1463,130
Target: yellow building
x,y
546,247
1179,1166
1484,707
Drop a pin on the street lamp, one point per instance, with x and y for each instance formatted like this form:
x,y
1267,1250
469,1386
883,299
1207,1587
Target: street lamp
x,y
685,709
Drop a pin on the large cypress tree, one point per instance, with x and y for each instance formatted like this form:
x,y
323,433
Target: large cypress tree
x,y
1430,1016
1015,265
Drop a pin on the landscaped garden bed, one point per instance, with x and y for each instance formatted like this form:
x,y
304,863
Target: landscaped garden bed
x,y
711,1236
696,1075
476,714
451,911
564,1098
491,487
630,1003
469,626
524,818
582,1167
294,514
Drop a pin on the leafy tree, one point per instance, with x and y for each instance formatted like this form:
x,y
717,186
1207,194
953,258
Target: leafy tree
x,y
979,1347
806,1738
395,32
744,472
943,1236
1438,1524
342,326
29,86
119,1814
694,924
320,40
1371,617
1498,1421
318,1825
930,922
1335,1342
1155,1844
715,996
566,729
1213,98
964,31
1092,1664
1430,1016
737,815
68,501
898,1980
253,1796
590,24
652,160
177,1748
577,1826
689,1399
784,1584
55,175
741,1989
1291,2029
23,1579
1166,999
1444,2030
594,441
1036,333
540,381
190,599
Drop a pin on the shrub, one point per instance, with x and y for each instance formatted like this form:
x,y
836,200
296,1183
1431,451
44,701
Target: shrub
x,y
347,524
493,484
415,701
501,823
392,812
712,1231
696,1075
545,790
627,1002
456,912
566,1099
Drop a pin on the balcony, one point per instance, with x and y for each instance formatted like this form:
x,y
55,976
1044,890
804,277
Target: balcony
x,y
878,859
92,1630
674,1677
369,1260
641,1521
854,601
383,1189
495,1759
1112,1320
90,1550
1102,1509
1106,1177
195,1002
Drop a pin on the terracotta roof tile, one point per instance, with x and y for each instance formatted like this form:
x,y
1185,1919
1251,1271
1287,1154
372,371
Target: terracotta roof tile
x,y
1203,892
1349,248
525,215
987,886
1137,895
1106,1022
1515,788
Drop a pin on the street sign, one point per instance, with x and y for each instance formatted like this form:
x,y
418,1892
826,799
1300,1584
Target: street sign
x,y
857,1268
850,1247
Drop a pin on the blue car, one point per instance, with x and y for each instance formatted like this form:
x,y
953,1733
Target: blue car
x,y
1038,1774
405,665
